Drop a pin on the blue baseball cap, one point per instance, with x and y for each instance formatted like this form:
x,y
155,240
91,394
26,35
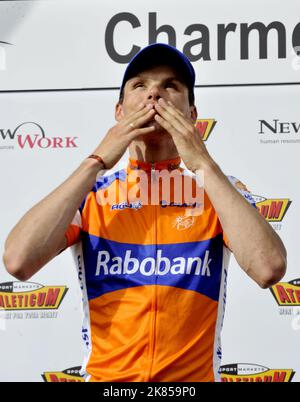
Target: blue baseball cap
x,y
161,54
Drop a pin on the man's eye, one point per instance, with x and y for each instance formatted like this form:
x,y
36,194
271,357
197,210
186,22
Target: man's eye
x,y
171,85
138,85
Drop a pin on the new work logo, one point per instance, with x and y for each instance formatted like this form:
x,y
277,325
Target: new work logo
x,y
278,131
31,135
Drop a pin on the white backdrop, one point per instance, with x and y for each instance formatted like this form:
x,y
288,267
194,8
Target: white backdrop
x,y
61,45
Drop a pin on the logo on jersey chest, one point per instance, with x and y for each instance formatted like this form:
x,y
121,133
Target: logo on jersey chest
x,y
127,205
183,222
113,265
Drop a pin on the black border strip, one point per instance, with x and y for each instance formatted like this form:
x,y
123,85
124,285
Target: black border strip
x,y
118,88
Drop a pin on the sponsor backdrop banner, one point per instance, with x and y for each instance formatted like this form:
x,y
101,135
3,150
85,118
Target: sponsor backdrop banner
x,y
252,131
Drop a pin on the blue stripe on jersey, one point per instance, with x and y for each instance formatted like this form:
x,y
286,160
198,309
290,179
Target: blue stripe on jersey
x,y
106,181
246,194
113,265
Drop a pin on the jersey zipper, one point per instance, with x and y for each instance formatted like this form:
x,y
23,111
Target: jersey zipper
x,y
154,292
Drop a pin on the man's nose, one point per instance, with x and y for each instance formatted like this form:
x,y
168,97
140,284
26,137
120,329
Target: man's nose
x,y
154,93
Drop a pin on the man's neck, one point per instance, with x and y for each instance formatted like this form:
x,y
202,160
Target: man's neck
x,y
153,151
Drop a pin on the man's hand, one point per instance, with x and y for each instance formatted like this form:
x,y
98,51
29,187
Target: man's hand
x,y
120,136
186,137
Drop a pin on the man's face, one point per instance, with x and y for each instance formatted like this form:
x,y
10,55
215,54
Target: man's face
x,y
150,85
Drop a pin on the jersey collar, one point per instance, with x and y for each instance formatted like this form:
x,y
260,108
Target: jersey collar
x,y
169,164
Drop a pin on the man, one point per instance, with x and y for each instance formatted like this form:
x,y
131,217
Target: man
x,y
153,275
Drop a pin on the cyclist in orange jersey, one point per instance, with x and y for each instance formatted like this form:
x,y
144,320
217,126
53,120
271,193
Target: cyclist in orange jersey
x,y
152,268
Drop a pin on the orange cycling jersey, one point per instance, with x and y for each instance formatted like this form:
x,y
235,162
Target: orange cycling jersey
x,y
153,279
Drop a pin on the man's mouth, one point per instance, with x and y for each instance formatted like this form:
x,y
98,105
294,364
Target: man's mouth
x,y
158,129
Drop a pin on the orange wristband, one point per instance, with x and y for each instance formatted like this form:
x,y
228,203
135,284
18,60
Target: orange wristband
x,y
99,159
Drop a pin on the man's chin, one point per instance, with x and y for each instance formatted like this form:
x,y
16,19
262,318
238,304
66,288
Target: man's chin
x,y
155,137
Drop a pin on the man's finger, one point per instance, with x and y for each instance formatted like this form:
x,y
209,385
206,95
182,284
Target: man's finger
x,y
177,114
167,125
172,120
141,120
136,114
174,107
141,131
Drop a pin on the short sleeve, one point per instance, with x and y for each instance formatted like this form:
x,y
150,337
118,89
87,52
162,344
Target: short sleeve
x,y
243,190
74,230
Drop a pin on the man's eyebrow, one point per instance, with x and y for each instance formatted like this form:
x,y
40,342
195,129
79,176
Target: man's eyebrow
x,y
141,77
174,79
170,78
136,77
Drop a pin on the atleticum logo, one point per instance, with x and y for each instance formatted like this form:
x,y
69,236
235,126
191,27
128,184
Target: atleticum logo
x,y
68,375
245,372
272,209
287,293
30,296
205,127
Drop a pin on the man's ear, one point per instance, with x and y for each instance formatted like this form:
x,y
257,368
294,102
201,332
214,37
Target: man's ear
x,y
119,111
194,113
